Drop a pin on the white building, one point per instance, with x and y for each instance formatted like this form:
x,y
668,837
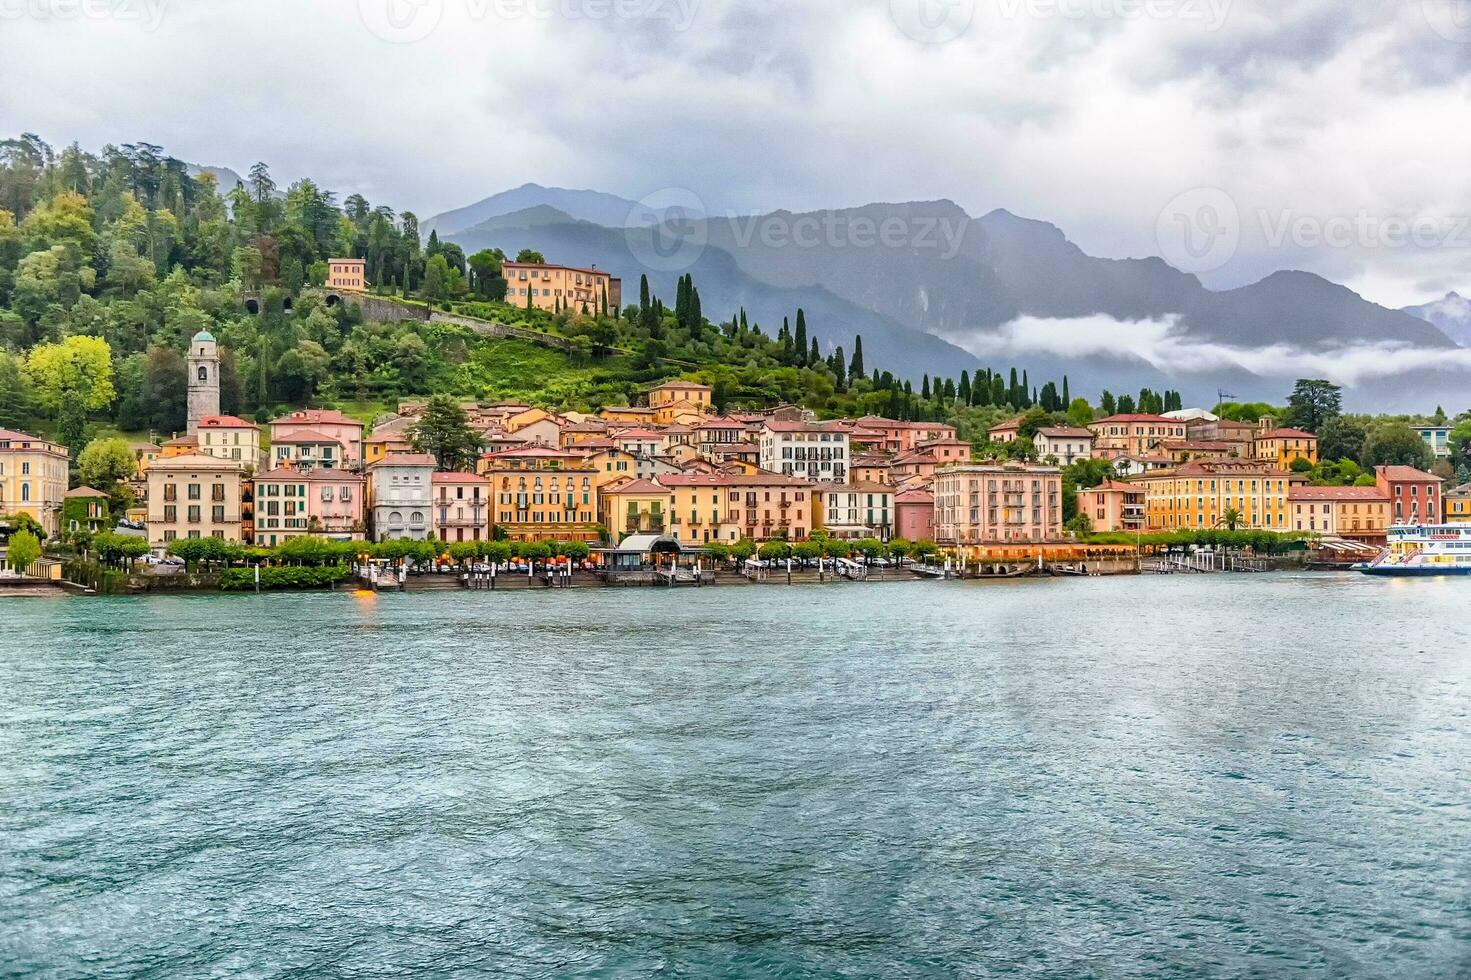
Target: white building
x,y
857,510
1065,443
401,488
809,450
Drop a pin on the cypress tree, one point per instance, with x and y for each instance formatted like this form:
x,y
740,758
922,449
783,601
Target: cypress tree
x,y
950,391
839,369
855,369
697,317
999,396
1067,398
801,339
924,391
814,356
964,390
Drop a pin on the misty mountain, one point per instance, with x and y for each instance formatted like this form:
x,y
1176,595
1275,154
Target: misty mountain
x,y
1451,314
724,288
607,210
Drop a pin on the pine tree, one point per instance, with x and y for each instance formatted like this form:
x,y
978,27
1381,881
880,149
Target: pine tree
x,y
1067,398
800,341
924,391
840,369
697,317
855,369
814,356
949,391
964,391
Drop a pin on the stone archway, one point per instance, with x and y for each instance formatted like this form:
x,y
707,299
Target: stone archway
x,y
333,299
286,304
252,306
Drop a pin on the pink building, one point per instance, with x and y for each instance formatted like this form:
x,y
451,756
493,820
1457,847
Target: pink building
x,y
914,515
462,510
997,504
292,503
322,427
902,437
1113,506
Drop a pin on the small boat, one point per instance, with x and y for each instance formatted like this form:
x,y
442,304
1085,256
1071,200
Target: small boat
x,y
1423,551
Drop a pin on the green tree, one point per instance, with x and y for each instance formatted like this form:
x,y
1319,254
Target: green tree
x,y
105,465
444,432
1312,403
24,550
1396,444
1342,437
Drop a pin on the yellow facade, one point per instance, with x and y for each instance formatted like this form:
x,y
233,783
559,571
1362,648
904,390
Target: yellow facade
x,y
225,437
33,479
728,507
1283,447
559,287
546,504
349,274
194,496
1458,505
1200,495
635,507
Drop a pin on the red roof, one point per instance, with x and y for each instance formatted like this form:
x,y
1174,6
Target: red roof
x,y
459,478
289,474
1287,434
542,451
10,434
1406,474
731,480
1337,493
1139,418
1064,432
316,416
308,437
226,422
635,486
916,496
407,459
1113,486
639,434
777,425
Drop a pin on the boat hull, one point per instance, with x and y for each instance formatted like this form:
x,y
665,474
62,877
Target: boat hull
x,y
1402,571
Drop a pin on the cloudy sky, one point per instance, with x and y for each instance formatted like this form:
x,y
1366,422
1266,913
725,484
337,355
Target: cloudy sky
x,y
1234,137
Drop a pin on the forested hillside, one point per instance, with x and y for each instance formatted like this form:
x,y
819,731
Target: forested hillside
x,y
110,261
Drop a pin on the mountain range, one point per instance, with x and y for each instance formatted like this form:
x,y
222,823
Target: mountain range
x,y
946,291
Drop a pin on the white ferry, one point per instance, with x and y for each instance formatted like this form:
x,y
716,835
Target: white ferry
x,y
1424,550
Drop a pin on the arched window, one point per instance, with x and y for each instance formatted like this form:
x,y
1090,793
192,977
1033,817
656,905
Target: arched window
x,y
25,491
203,373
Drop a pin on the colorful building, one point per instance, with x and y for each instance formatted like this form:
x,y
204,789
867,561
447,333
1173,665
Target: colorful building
x,y
33,479
462,507
1414,495
348,274
1357,513
1458,505
706,507
898,436
854,510
194,496
228,437
391,436
400,492
561,287
292,503
1283,447
1207,493
914,514
1065,443
1114,507
305,449
546,504
634,506
675,400
325,426
1437,437
978,504
1136,435
817,451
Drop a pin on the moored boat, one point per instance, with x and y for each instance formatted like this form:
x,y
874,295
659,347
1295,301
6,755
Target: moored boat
x,y
1423,551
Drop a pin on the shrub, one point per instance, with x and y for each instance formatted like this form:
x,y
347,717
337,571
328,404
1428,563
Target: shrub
x,y
290,577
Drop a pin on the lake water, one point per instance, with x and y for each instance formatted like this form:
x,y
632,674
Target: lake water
x,y
1165,777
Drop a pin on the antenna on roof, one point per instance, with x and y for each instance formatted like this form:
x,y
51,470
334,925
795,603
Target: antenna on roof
x,y
1221,396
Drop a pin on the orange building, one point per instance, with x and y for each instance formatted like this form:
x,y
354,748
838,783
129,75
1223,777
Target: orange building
x,y
1136,435
977,504
462,510
1113,507
897,436
1283,447
561,287
349,274
705,507
634,506
678,399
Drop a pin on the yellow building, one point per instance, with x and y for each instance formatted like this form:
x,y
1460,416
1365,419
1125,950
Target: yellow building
x,y
634,507
228,437
349,274
705,507
560,287
393,436
1357,513
676,401
1458,505
627,415
1201,494
194,496
33,478
1283,447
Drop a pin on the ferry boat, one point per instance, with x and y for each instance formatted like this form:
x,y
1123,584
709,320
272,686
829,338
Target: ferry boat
x,y
1424,550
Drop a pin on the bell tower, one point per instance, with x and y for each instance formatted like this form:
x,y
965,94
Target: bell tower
x,y
204,379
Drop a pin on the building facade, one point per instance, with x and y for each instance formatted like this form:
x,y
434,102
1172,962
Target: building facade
x,y
812,450
1134,435
400,491
855,510
291,503
981,504
322,424
1414,495
1064,443
560,287
1113,507
914,514
33,479
194,496
1357,513
1214,493
707,507
348,274
1283,447
228,437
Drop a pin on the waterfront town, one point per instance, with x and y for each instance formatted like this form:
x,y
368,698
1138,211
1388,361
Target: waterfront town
x,y
673,469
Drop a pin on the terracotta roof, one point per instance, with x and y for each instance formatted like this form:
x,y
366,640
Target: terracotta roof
x,y
779,425
307,437
639,434
10,434
1065,432
635,486
1337,493
226,422
316,416
82,492
861,487
1138,418
195,461
1113,485
1009,425
1287,434
407,459
290,474
535,451
915,496
681,386
183,441
881,422
732,480
459,478
1406,474
563,268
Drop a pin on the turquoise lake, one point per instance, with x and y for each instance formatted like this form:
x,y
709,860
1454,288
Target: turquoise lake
x,y
1136,777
